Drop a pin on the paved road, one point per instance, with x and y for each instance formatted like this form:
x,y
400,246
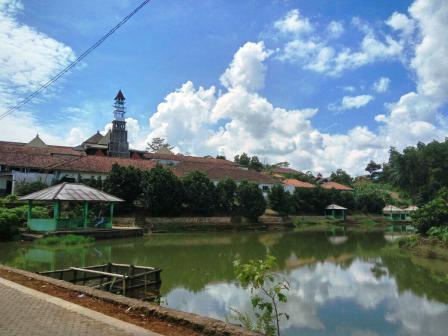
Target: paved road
x,y
26,312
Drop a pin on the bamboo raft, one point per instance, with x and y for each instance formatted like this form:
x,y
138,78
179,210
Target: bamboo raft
x,y
135,281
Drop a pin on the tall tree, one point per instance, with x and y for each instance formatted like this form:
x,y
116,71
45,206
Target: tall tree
x,y
162,191
157,144
200,193
280,200
250,200
373,169
124,182
225,193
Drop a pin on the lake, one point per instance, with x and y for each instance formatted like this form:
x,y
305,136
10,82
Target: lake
x,y
349,285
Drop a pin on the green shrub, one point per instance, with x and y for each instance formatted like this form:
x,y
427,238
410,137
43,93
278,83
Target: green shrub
x,y
25,188
9,224
432,214
439,233
409,241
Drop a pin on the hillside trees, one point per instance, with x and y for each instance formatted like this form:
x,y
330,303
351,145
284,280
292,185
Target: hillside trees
x,y
251,163
419,171
341,176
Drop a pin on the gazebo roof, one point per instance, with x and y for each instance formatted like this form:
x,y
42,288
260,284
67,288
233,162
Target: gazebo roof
x,y
411,208
392,209
335,207
71,192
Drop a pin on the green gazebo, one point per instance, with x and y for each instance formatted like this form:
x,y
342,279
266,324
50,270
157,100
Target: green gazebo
x,y
393,213
335,211
70,192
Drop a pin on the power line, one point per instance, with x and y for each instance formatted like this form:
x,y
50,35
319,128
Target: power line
x,y
74,63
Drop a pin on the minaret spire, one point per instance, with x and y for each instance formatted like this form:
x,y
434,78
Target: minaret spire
x,y
118,145
120,109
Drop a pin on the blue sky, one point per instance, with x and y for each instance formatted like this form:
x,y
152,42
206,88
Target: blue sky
x,y
311,65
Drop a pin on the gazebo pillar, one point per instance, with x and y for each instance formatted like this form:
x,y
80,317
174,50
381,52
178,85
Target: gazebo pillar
x,y
85,214
111,212
56,212
30,211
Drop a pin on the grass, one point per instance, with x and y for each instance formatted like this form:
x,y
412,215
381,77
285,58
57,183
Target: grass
x,y
421,246
67,240
358,223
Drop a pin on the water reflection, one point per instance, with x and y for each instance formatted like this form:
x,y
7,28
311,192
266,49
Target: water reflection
x,y
339,285
330,299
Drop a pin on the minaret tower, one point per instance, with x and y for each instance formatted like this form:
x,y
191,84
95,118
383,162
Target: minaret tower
x,y
118,145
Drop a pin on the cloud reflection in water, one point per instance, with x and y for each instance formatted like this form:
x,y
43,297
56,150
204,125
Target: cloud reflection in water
x,y
326,298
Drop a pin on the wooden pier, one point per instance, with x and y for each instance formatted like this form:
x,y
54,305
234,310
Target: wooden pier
x,y
135,281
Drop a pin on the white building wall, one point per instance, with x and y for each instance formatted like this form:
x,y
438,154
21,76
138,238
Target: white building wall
x,y
84,176
289,188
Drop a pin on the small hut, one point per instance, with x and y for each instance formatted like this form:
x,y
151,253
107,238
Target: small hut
x,y
393,213
409,211
335,211
70,193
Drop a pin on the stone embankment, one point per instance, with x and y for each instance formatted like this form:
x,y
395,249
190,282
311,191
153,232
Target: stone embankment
x,y
172,224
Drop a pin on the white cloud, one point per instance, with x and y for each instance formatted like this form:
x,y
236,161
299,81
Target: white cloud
x,y
23,126
335,29
313,51
351,102
293,23
349,88
204,121
28,58
381,85
401,22
240,119
183,118
417,116
247,68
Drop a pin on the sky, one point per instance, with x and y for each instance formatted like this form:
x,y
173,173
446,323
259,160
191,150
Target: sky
x,y
321,84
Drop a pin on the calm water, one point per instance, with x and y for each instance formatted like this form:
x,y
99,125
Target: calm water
x,y
339,286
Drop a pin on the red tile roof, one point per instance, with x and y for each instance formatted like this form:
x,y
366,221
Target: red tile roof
x,y
20,148
98,164
22,160
285,170
298,184
186,158
66,158
216,172
335,185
